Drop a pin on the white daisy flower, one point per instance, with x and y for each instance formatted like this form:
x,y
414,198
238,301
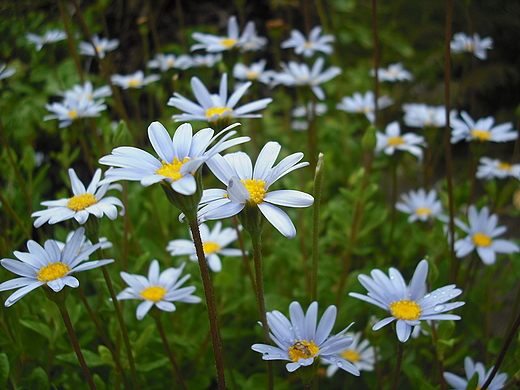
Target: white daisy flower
x,y
471,368
481,130
180,157
298,75
364,104
300,342
463,43
85,244
255,72
394,72
419,205
392,140
163,62
360,354
422,116
158,289
80,92
50,36
101,45
85,201
482,231
6,72
246,185
308,112
205,61
213,107
490,168
250,40
70,110
214,243
48,265
135,80
307,47
409,305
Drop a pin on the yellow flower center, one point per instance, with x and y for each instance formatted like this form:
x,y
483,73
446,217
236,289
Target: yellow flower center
x,y
504,166
81,202
351,355
217,111
405,309
252,75
210,247
99,48
302,349
480,135
481,239
153,293
256,189
423,211
228,42
173,170
307,44
134,83
73,114
52,271
394,141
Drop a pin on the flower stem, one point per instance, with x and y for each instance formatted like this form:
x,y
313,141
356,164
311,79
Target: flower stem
x,y
74,340
398,365
244,253
210,302
318,178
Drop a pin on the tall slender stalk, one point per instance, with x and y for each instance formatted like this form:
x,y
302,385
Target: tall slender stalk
x,y
376,59
398,365
70,42
318,178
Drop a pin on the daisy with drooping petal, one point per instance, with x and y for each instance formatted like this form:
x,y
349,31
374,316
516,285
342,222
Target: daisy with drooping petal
x,y
135,80
85,201
255,72
419,205
48,265
482,130
300,342
471,368
490,168
213,107
364,104
307,47
180,157
101,45
246,185
463,43
394,72
214,243
360,354
482,231
50,36
163,62
158,289
392,140
409,305
6,72
298,75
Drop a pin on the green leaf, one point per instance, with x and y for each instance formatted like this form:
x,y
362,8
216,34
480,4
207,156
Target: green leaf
x,y
39,380
4,370
91,359
152,365
473,382
39,327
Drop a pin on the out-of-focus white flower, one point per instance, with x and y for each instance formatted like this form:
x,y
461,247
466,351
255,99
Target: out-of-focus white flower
x,y
135,80
255,72
163,62
490,168
80,92
482,231
392,140
364,104
250,41
422,115
394,72
471,369
70,110
50,36
420,205
6,72
308,112
463,43
205,61
360,354
481,130
307,47
101,45
297,75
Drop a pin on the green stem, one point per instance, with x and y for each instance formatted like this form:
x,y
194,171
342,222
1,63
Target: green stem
x,y
70,42
10,210
244,253
440,359
318,178
376,59
398,365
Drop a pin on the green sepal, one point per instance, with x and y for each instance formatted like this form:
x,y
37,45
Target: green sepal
x,y
187,204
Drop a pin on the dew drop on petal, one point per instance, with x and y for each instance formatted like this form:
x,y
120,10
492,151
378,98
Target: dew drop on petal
x,y
339,364
439,308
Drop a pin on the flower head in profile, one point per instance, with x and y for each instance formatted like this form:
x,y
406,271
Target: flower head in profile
x,y
163,62
307,47
255,72
360,354
424,116
214,243
470,369
364,104
420,205
215,108
482,130
250,187
80,92
101,46
158,289
482,231
394,72
463,43
6,72
50,36
135,80
408,304
48,265
72,108
392,140
86,201
180,157
490,168
301,342
299,75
